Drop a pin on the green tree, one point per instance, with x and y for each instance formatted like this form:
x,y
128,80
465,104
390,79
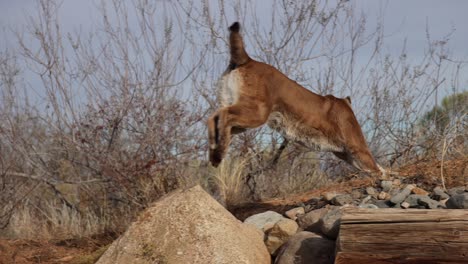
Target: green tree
x,y
446,125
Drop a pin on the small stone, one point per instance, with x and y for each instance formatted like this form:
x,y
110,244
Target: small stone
x,y
405,205
365,200
444,202
371,191
417,190
439,194
413,200
394,191
284,228
295,212
384,196
458,201
328,196
397,182
369,206
428,203
342,199
66,259
356,194
410,187
382,204
280,233
401,196
310,221
456,190
386,185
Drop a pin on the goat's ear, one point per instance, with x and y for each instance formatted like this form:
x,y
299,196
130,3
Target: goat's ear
x,y
348,99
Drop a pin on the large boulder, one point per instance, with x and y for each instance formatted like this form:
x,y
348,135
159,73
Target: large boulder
x,y
188,226
306,248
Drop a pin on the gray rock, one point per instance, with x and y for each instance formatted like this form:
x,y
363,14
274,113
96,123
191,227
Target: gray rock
x,y
371,191
330,223
342,199
456,190
386,185
401,196
413,200
382,204
264,221
439,194
458,201
367,199
307,248
310,221
369,206
428,203
394,191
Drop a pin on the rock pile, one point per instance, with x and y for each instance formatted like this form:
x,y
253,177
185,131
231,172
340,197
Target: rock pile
x,y
189,226
307,234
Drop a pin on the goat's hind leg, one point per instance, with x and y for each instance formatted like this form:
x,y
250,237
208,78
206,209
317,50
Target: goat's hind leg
x,y
213,139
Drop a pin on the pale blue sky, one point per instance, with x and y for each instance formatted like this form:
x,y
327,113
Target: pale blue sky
x,y
403,19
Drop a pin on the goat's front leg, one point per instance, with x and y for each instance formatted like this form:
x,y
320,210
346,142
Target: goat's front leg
x,y
230,119
213,139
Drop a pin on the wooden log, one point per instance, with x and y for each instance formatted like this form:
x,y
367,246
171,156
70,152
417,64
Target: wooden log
x,y
403,236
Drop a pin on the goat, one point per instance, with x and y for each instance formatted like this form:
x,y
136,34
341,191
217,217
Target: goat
x,y
254,93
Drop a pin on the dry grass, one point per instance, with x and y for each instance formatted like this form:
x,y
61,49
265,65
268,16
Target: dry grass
x,y
53,221
229,179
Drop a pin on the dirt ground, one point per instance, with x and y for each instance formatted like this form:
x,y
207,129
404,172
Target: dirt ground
x,y
77,251
426,174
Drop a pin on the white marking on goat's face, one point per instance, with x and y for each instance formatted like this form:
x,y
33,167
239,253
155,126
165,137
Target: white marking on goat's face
x,y
230,86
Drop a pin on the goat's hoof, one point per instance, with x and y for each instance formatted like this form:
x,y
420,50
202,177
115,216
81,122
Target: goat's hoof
x,y
215,158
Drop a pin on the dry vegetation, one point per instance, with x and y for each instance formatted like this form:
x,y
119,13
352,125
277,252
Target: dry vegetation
x,y
94,127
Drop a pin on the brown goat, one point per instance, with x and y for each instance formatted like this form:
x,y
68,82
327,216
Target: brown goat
x,y
254,93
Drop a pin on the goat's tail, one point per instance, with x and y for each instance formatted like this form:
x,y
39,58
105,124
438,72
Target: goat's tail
x,y
238,54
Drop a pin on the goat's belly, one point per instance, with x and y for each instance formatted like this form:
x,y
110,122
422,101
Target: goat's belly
x,y
230,85
295,130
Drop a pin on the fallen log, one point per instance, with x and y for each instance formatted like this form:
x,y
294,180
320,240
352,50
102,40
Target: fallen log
x,y
403,236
